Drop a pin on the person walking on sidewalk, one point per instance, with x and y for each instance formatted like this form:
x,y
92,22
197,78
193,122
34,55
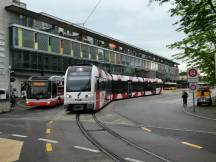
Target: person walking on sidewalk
x,y
184,97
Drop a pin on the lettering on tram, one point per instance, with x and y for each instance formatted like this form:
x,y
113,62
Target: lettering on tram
x,y
45,91
90,88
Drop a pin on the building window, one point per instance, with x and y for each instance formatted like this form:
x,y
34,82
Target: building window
x,y
100,55
106,56
42,42
93,53
55,42
28,39
76,49
85,51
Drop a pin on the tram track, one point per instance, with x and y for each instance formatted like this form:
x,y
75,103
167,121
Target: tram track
x,y
129,142
109,153
106,151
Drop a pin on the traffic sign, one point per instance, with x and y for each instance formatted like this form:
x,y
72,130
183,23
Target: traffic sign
x,y
192,75
192,87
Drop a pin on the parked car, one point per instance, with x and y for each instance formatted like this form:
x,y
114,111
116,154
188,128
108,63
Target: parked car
x,y
3,94
203,95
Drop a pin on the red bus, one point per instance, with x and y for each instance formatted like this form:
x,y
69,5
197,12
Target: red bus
x,y
45,91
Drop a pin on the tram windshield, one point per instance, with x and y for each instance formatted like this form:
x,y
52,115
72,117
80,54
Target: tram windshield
x,y
79,80
38,90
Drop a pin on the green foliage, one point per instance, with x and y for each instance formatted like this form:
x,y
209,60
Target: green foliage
x,y
197,19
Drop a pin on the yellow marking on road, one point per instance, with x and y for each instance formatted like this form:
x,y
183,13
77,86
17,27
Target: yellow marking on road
x,y
49,147
48,131
192,145
146,129
10,150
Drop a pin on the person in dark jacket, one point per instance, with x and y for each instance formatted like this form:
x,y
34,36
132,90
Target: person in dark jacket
x,y
184,97
13,101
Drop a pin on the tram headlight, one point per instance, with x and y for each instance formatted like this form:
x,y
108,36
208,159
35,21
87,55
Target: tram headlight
x,y
88,96
68,96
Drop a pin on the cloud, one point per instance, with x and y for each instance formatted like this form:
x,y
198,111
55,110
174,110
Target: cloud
x,y
134,22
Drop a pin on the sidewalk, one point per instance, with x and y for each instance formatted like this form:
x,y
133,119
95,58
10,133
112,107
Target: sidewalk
x,y
208,112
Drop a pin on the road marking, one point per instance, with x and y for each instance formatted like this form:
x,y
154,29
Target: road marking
x,y
48,131
192,145
146,129
49,147
182,130
133,160
10,149
19,135
47,140
0,132
86,149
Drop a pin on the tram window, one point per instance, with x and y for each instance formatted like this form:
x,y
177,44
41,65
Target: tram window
x,y
117,87
54,89
76,49
137,86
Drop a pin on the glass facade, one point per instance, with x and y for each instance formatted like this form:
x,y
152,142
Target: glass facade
x,y
48,52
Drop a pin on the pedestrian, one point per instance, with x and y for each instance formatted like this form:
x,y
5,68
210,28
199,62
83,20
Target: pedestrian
x,y
13,101
184,97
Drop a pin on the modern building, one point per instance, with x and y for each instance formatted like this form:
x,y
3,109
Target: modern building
x,y
40,44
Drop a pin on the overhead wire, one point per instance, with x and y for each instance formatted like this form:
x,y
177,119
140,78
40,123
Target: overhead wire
x,y
93,10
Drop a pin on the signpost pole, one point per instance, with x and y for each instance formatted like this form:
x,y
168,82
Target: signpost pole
x,y
192,74
193,102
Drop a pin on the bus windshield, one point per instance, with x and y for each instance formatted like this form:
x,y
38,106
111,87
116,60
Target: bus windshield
x,y
78,84
39,90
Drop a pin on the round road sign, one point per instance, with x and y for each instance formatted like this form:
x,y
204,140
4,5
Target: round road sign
x,y
192,72
193,87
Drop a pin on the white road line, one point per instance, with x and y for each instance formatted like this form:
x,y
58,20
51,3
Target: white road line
x,y
86,149
47,140
133,160
182,130
19,135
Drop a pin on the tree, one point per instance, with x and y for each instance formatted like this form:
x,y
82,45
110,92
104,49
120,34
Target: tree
x,y
197,19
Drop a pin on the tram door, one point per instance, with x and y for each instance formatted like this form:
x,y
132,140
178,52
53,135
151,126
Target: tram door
x,y
129,89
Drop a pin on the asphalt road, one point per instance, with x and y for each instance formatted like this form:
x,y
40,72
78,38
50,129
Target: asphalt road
x,y
157,124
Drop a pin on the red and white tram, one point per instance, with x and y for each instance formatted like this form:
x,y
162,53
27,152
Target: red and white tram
x,y
45,91
90,88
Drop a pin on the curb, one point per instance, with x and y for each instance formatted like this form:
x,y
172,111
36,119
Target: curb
x,y
198,116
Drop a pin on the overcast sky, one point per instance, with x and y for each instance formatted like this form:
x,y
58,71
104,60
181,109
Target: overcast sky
x,y
131,21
